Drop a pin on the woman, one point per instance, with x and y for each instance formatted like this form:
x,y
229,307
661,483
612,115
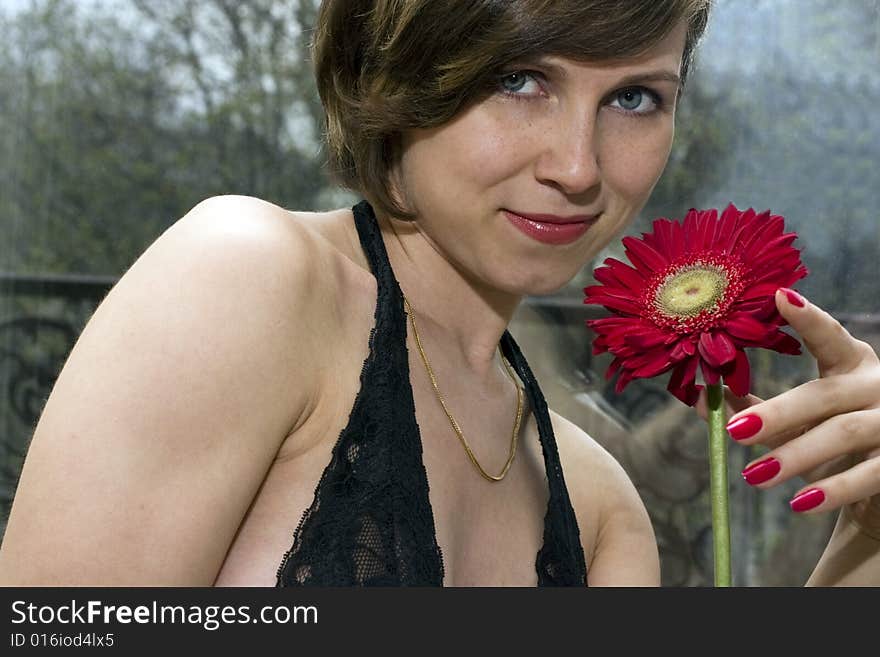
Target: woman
x,y
270,397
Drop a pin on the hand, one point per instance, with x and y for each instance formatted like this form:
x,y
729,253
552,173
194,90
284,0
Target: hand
x,y
826,430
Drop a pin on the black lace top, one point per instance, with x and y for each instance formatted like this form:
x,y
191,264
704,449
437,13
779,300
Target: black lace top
x,y
371,523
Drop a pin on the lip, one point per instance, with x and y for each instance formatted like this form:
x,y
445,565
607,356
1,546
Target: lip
x,y
551,228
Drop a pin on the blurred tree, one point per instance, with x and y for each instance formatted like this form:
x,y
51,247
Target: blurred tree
x,y
116,128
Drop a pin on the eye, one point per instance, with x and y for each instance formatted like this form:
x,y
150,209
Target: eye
x,y
637,100
519,83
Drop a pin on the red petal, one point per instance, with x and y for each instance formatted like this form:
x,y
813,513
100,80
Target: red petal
x,y
690,227
627,275
767,226
727,228
667,238
615,291
658,365
610,279
743,230
642,254
710,375
593,291
684,373
682,350
746,327
605,276
623,381
781,242
612,324
619,274
597,296
760,264
761,309
612,369
687,394
681,383
716,348
739,378
775,268
760,290
706,223
645,338
785,344
641,359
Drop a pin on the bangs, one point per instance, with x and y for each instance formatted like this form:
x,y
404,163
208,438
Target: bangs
x,y
590,31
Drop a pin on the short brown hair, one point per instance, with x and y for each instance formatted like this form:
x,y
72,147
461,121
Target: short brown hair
x,y
385,66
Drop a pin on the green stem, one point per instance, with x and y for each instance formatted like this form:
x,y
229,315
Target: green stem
x,y
718,490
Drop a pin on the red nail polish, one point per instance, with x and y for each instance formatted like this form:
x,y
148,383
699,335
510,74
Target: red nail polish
x,y
809,499
761,471
744,427
793,297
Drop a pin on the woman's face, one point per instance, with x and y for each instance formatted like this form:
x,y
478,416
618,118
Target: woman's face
x,y
559,140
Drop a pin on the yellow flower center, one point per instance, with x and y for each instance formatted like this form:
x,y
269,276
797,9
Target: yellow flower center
x,y
690,291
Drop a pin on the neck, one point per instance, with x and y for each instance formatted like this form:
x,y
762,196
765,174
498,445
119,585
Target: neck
x,y
458,318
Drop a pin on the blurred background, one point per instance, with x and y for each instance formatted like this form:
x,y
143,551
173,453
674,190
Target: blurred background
x,y
118,116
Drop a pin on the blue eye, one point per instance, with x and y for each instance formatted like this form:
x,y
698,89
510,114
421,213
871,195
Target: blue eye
x,y
630,99
518,83
637,100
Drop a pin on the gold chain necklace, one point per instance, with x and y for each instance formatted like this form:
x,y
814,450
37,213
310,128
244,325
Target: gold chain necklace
x,y
519,403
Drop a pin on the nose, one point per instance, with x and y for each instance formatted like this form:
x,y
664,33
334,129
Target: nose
x,y
570,159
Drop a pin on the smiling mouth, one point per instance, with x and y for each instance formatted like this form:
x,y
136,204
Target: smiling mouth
x,y
558,220
552,229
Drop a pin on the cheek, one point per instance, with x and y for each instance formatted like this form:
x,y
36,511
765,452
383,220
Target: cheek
x,y
478,149
633,160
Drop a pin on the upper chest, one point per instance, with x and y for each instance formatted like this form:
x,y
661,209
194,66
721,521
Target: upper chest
x,y
489,533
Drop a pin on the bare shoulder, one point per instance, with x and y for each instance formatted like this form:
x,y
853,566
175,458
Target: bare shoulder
x,y
619,541
172,405
248,222
256,272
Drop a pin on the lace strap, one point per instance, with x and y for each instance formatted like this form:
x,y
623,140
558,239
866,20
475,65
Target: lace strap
x,y
561,560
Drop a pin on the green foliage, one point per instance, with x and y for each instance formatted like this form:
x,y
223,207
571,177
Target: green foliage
x,y
115,129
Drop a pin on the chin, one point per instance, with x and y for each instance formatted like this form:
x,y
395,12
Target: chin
x,y
535,286
544,290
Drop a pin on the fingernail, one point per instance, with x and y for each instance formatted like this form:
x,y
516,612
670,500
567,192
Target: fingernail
x,y
793,297
761,471
809,499
744,427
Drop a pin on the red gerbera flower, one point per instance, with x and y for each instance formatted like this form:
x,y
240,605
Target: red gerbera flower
x,y
699,292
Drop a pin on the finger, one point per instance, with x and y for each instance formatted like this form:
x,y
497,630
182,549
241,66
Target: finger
x,y
843,435
735,405
858,483
835,350
789,414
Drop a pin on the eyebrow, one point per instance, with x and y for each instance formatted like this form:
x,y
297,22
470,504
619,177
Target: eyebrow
x,y
653,76
636,78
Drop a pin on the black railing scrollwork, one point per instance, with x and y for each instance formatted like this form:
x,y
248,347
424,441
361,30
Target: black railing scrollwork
x,y
50,312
